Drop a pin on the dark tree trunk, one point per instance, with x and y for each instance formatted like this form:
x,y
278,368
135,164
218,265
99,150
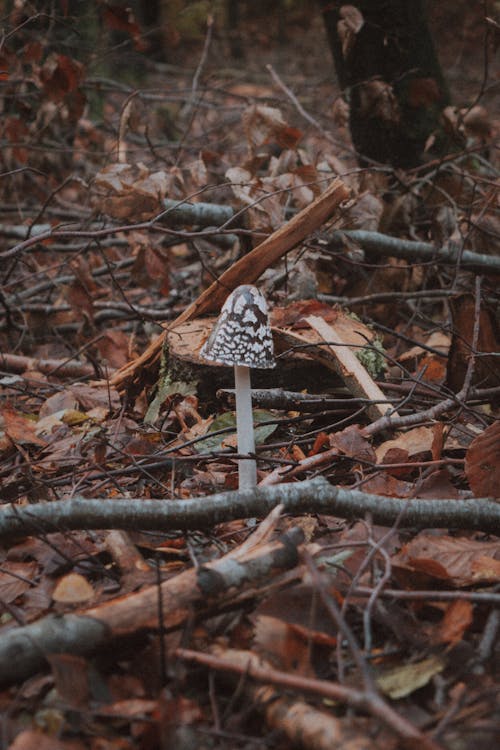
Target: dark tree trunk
x,y
386,63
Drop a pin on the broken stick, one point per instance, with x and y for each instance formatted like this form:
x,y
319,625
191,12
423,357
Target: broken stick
x,y
350,369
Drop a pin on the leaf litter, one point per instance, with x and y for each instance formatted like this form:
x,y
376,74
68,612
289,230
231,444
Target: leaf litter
x,y
409,613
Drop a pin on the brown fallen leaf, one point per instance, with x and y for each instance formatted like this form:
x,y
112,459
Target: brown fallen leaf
x,y
457,619
114,347
486,370
446,558
482,463
19,428
15,579
415,442
266,125
405,679
486,569
73,589
33,739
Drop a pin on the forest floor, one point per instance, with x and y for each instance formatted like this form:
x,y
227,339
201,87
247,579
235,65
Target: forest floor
x,y
352,599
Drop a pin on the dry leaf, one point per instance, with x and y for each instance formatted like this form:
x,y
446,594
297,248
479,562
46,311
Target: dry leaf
x,y
73,589
266,125
405,679
486,370
486,569
33,739
351,442
455,560
19,428
351,22
456,620
416,442
482,463
15,579
114,348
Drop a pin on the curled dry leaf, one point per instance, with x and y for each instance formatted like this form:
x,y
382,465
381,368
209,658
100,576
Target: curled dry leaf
x,y
266,125
482,463
416,442
126,191
351,22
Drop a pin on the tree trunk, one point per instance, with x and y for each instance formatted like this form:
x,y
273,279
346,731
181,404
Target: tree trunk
x,y
386,63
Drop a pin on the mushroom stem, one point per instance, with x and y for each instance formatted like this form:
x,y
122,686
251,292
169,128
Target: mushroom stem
x,y
247,467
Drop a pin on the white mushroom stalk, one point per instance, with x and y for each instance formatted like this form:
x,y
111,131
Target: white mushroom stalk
x,y
242,338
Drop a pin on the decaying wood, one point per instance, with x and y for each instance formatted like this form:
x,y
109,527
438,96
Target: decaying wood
x,y
23,651
124,553
64,368
246,270
185,340
350,369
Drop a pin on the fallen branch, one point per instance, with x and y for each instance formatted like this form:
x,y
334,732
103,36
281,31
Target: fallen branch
x,y
278,398
23,651
478,597
310,496
196,214
383,244
212,214
63,367
287,715
175,213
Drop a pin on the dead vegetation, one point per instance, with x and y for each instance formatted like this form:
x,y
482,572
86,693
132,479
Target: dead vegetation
x,y
350,600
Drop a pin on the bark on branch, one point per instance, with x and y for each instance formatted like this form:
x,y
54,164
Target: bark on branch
x,y
310,496
383,244
23,650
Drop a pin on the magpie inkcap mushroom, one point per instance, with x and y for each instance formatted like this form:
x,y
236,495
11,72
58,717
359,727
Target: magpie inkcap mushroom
x,y
242,338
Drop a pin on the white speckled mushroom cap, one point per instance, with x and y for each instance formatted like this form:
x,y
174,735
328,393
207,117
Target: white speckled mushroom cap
x,y
242,335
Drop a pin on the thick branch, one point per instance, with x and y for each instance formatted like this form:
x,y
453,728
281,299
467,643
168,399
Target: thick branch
x,y
23,650
383,244
198,214
303,724
278,398
65,368
311,496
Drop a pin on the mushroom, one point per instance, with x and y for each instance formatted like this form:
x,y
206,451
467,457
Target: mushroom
x,y
242,338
